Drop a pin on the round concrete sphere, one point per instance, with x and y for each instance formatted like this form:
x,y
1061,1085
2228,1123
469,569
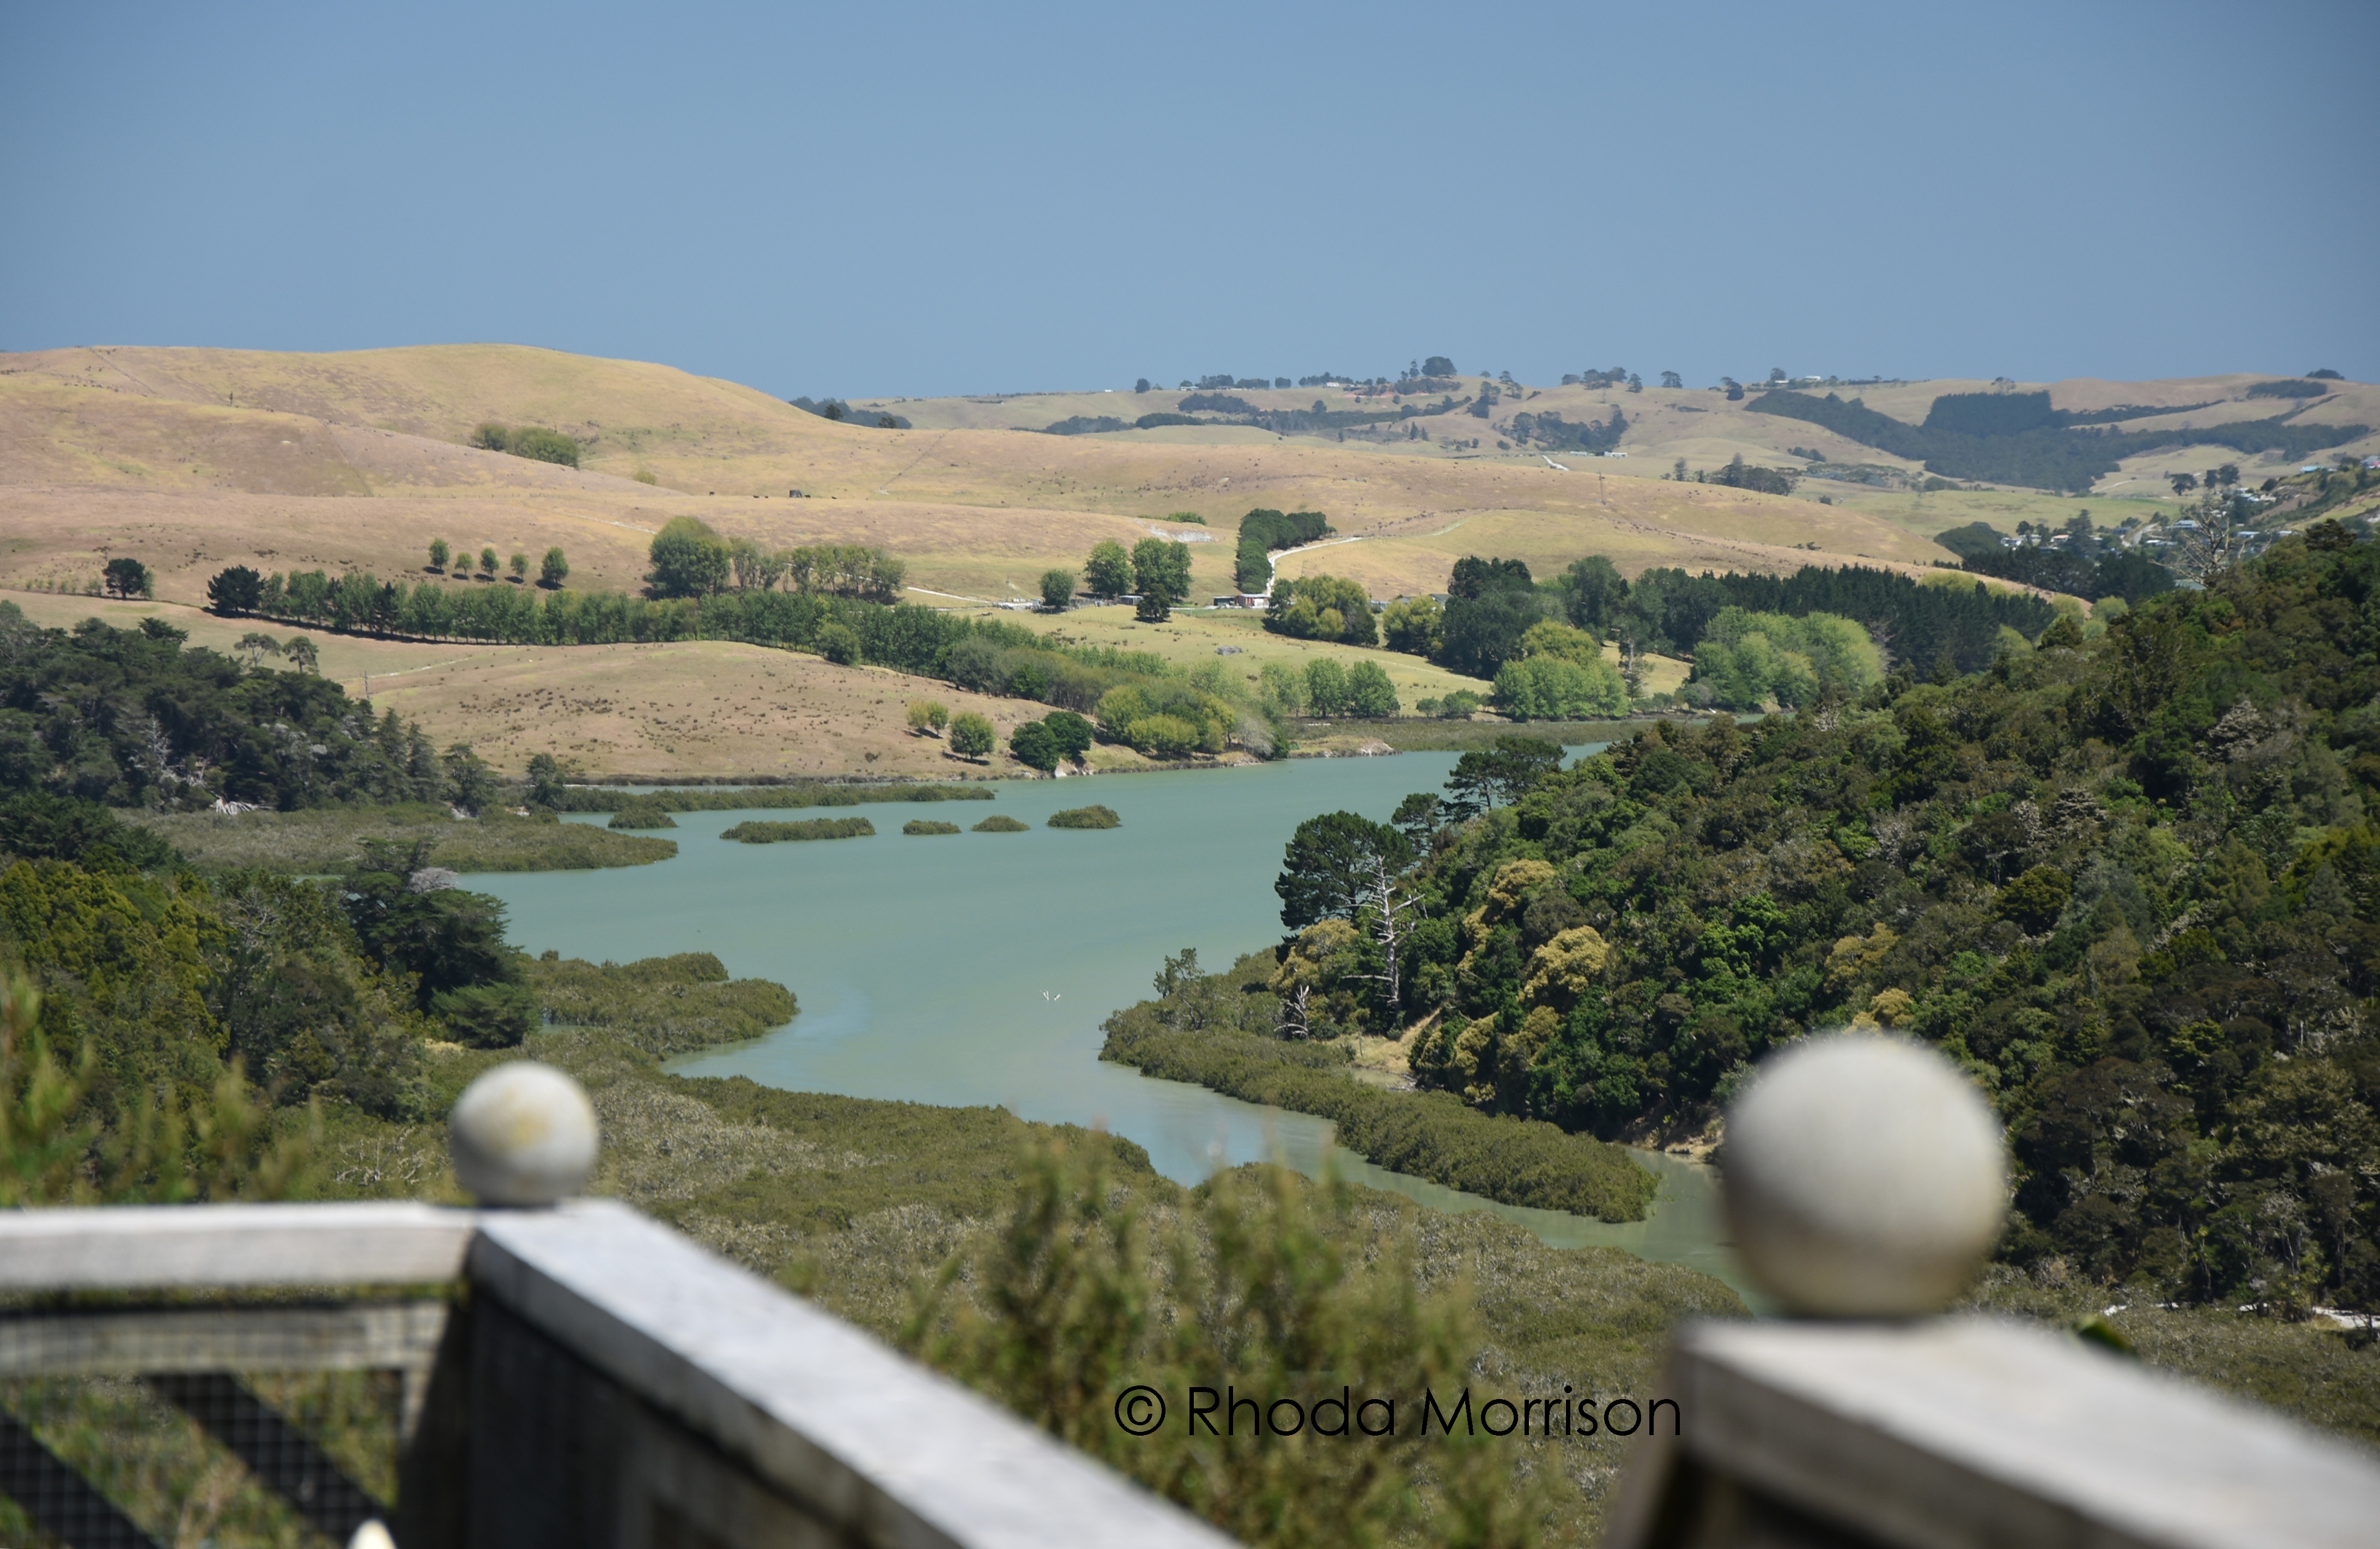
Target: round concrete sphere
x,y
1865,1178
523,1134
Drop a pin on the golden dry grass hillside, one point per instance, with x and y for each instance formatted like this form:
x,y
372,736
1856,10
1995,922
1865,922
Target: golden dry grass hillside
x,y
1697,424
707,708
192,459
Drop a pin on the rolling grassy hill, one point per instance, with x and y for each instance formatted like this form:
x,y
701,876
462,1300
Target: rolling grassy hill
x,y
193,459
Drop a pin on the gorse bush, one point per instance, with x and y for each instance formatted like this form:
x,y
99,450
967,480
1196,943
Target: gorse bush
x,y
763,832
1256,1284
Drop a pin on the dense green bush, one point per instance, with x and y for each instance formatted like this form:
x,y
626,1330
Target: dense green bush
x,y
928,825
1262,531
1555,688
534,442
1086,817
661,1006
1000,822
1323,607
763,832
186,726
2130,883
645,813
1430,1135
1747,659
972,735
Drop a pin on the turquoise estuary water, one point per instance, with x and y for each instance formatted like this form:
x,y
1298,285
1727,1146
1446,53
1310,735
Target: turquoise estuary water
x,y
976,968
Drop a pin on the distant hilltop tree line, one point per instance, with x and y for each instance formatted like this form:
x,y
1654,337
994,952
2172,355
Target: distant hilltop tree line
x,y
691,560
552,570
840,610
836,409
2017,438
1542,643
1221,408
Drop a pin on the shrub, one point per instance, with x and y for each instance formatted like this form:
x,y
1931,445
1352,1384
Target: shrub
x,y
1086,817
1160,573
764,832
1071,734
540,445
488,1016
1323,607
971,736
1555,688
647,814
928,825
1747,658
1369,692
1416,626
127,576
236,591
1326,688
688,559
928,718
1261,531
1163,737
1000,822
1030,745
2034,900
1108,572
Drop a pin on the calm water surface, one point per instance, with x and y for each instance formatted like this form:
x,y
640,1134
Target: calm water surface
x,y
976,968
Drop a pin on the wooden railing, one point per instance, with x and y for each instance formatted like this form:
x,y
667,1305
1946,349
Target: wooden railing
x,y
574,1376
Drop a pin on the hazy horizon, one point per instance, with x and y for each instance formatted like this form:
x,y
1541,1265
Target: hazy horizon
x,y
935,203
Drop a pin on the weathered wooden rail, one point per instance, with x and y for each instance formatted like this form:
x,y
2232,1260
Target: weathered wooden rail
x,y
574,1376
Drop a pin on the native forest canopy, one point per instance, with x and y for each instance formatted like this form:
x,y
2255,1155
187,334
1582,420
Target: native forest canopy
x,y
2132,884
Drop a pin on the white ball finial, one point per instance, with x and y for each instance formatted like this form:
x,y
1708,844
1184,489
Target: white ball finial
x,y
1867,1178
523,1134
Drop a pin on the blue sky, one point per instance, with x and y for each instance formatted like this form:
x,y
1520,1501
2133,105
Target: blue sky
x,y
868,199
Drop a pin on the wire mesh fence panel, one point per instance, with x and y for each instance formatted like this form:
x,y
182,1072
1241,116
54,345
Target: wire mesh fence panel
x,y
264,1461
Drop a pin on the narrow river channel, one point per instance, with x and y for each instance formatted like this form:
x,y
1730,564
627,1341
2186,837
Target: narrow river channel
x,y
976,968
